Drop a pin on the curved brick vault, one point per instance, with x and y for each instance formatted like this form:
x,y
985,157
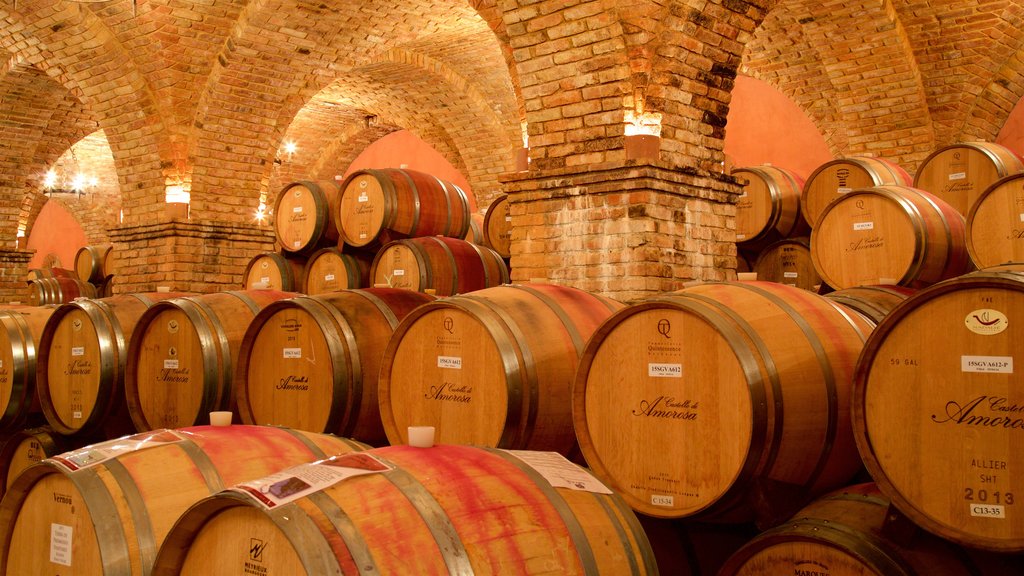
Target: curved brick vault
x,y
207,93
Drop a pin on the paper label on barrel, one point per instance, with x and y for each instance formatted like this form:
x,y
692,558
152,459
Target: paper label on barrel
x,y
299,481
60,544
989,364
508,218
988,511
328,277
789,274
78,351
265,279
741,236
560,472
171,364
843,190
362,198
662,370
662,500
297,209
863,225
958,176
98,453
399,272
76,415
1022,217
297,243
293,352
453,362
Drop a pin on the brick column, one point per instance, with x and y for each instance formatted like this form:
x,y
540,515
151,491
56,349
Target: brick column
x,y
625,231
13,270
199,257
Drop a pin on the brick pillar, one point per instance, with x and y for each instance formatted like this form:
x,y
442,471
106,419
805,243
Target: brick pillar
x,y
198,257
13,270
625,231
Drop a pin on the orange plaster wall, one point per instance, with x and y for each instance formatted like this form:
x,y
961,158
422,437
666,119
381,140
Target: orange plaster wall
x,y
765,127
55,231
1012,134
403,149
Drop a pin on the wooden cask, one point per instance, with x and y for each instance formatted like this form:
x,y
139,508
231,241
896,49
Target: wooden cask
x,y
28,447
769,208
380,205
684,548
275,271
873,302
475,233
850,532
183,354
58,290
446,266
498,227
937,406
439,510
305,216
312,362
959,173
20,332
788,262
995,224
723,401
889,235
835,178
106,508
330,270
491,368
81,361
90,261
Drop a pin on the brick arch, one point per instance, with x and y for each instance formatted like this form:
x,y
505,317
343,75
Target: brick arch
x,y
274,64
78,50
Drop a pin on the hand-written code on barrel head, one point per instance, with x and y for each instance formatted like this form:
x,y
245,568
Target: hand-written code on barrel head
x,y
1001,413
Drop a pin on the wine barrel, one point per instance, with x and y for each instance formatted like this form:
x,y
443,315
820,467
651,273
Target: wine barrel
x,y
305,216
738,394
90,261
312,362
105,509
275,271
183,354
769,208
58,290
50,272
788,262
475,233
959,173
331,270
440,510
380,205
937,405
995,224
447,266
20,332
889,235
498,227
684,548
81,360
30,446
490,368
850,532
873,302
835,178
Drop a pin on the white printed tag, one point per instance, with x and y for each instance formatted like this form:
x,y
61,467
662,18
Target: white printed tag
x,y
958,176
453,362
298,481
863,225
328,277
560,472
78,351
659,370
789,275
171,364
293,352
98,453
60,544
988,511
991,364
297,209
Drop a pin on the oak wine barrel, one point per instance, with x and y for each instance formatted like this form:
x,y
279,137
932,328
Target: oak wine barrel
x,y
490,368
106,508
183,354
330,270
889,235
959,173
447,266
850,532
475,233
30,446
90,262
312,362
305,215
275,271
498,227
81,361
937,406
379,205
873,302
788,261
737,403
838,177
439,510
58,290
995,224
20,331
768,210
